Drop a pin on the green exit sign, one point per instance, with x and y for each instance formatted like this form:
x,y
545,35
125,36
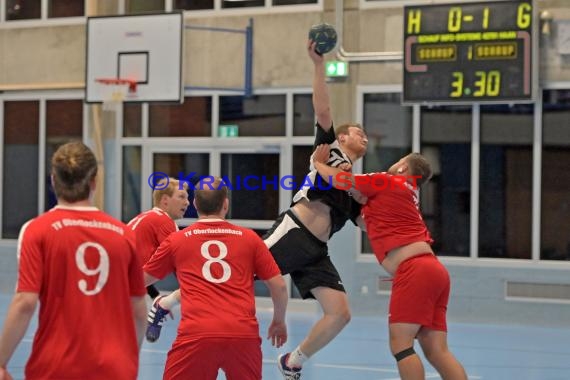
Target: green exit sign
x,y
336,68
228,130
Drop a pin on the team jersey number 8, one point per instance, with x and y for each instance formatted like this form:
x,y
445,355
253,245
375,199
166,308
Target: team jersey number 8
x,y
207,267
102,269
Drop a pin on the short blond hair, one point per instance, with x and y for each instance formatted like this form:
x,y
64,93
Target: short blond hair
x,y
173,185
344,128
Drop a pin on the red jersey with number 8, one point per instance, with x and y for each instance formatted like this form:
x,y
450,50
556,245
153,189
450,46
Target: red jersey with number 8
x,y
215,263
83,264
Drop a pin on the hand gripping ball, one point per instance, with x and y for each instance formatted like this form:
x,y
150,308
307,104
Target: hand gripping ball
x,y
325,37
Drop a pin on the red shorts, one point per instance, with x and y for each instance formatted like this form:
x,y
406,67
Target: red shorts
x,y
201,358
420,292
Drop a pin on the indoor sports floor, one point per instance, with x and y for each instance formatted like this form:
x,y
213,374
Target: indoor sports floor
x,y
360,352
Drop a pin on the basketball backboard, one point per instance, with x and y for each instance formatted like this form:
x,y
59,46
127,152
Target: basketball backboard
x,y
143,48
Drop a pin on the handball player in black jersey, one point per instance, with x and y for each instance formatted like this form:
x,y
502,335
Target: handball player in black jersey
x,y
298,238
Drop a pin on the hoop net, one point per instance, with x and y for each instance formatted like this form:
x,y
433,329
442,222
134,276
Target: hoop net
x,y
117,94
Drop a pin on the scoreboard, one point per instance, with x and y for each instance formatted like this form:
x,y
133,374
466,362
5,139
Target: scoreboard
x,y
470,52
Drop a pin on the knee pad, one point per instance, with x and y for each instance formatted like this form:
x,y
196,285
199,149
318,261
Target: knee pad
x,y
405,353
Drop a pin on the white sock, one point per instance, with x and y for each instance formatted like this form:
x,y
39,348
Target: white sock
x,y
171,300
296,358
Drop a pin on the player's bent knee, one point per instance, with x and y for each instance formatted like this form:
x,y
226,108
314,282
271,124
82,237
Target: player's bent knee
x,y
404,353
345,316
340,319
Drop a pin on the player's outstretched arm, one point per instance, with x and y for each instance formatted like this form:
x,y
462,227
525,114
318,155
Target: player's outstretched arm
x,y
17,321
321,100
277,332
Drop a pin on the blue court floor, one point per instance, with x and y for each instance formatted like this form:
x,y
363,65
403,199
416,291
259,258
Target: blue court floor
x,y
360,352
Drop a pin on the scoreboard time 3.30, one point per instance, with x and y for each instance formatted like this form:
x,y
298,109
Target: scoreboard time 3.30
x,y
469,52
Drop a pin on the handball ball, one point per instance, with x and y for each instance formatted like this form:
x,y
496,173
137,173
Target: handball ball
x,y
325,37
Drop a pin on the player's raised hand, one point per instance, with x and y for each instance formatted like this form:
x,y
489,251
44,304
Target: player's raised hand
x,y
315,57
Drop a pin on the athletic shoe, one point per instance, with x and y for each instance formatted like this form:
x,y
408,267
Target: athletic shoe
x,y
288,372
155,317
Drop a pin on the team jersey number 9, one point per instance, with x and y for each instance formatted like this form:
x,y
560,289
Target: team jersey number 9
x,y
102,270
207,267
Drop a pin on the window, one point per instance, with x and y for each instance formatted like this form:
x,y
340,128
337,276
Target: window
x,y
193,5
146,6
66,8
303,115
64,123
505,181
23,9
555,195
242,3
131,183
32,9
196,5
20,165
132,120
445,199
263,115
260,115
254,191
293,2
388,126
193,118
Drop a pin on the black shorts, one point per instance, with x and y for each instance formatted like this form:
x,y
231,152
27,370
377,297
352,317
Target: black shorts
x,y
299,253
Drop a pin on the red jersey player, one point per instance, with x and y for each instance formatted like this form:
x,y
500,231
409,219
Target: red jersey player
x,y
82,267
215,263
170,200
402,244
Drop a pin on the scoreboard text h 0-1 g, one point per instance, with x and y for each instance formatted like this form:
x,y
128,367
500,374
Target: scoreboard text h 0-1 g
x,y
470,52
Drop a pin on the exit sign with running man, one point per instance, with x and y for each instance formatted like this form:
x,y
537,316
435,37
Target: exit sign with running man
x,y
336,69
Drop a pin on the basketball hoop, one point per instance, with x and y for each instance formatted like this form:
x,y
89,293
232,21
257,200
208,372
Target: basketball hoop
x,y
117,94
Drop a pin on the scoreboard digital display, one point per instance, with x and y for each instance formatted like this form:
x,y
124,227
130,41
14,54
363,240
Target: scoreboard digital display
x,y
469,52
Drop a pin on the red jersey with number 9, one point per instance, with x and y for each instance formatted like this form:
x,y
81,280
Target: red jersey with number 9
x,y
215,263
83,264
